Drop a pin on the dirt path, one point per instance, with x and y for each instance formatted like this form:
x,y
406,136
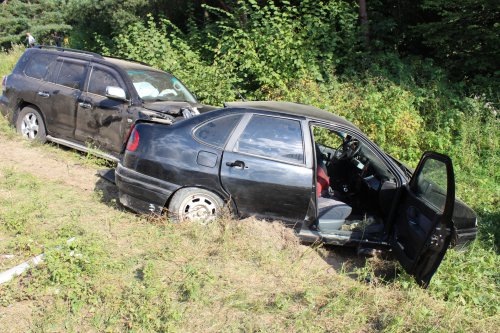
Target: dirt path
x,y
47,164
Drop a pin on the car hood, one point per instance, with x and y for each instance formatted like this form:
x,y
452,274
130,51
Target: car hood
x,y
175,108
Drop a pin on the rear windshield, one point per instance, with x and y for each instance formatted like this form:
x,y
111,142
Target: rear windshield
x,y
159,86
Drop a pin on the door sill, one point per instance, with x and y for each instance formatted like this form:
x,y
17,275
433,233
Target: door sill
x,y
83,148
341,237
312,236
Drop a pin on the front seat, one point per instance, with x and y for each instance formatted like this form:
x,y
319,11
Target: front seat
x,y
331,213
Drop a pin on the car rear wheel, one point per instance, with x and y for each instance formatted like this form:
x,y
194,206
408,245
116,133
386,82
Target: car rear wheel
x,y
195,204
30,125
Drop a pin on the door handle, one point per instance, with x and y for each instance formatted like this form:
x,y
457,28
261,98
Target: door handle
x,y
84,105
43,94
238,164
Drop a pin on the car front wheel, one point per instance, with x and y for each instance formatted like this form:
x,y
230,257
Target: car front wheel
x,y
30,125
195,204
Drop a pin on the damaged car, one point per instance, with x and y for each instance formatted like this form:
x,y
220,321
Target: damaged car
x,y
301,165
88,102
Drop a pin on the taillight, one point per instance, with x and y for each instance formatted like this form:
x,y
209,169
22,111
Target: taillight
x,y
4,83
133,141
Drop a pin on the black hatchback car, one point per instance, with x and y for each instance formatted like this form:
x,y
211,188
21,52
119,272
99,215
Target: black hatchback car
x,y
84,100
301,165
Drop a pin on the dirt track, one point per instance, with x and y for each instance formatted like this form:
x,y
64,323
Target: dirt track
x,y
47,164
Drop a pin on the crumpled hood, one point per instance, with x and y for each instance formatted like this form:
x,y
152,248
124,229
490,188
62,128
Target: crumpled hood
x,y
174,108
168,107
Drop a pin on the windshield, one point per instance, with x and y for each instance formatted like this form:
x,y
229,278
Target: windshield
x,y
158,86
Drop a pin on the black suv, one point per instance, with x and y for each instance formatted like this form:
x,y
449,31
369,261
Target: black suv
x,y
84,100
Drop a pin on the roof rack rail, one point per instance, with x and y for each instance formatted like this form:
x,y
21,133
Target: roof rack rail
x,y
131,60
64,49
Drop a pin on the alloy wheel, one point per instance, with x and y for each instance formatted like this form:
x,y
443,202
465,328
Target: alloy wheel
x,y
30,126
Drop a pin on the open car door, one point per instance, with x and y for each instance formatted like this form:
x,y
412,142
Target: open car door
x,y
422,227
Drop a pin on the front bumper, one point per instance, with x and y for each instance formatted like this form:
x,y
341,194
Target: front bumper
x,y
142,193
464,236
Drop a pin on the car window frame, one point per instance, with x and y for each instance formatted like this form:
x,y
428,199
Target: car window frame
x,y
395,169
33,58
193,131
60,63
111,70
306,161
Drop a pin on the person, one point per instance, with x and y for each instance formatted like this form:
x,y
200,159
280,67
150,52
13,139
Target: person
x,y
57,38
31,39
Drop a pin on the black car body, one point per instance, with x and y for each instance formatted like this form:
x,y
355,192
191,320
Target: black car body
x,y
84,100
266,159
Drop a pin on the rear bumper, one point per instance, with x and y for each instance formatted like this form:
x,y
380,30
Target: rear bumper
x,y
142,193
4,105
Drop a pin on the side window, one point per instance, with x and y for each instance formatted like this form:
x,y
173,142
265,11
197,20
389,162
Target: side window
x,y
38,65
100,79
431,183
217,131
72,75
271,137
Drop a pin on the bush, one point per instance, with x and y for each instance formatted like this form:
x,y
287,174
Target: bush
x,y
162,47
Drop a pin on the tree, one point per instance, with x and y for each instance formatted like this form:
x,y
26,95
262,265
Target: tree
x,y
363,19
41,18
464,35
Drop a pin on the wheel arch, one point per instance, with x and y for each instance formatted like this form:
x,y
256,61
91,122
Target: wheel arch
x,y
225,198
21,105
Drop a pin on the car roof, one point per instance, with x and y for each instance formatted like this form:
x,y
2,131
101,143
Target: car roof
x,y
128,64
295,109
80,54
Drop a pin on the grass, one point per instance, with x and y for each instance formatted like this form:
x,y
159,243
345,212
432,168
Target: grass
x,y
9,59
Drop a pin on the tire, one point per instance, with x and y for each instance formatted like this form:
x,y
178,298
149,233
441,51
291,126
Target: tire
x,y
30,125
195,204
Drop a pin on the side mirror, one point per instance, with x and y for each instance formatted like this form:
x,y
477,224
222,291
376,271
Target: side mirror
x,y
116,93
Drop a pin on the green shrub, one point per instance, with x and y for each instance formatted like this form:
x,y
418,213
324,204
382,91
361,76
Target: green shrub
x,y
162,47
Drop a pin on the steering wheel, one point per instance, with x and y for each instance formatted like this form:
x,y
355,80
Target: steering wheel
x,y
348,150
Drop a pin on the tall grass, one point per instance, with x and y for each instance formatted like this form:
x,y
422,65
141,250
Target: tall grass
x,y
9,58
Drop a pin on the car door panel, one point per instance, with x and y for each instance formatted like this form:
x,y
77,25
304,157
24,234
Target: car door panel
x,y
102,121
422,228
58,97
265,169
262,187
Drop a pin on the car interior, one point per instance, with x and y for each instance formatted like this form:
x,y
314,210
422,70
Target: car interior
x,y
355,189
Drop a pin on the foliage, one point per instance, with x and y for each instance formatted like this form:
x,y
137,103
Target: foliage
x,y
109,17
463,35
41,18
470,277
161,46
274,45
